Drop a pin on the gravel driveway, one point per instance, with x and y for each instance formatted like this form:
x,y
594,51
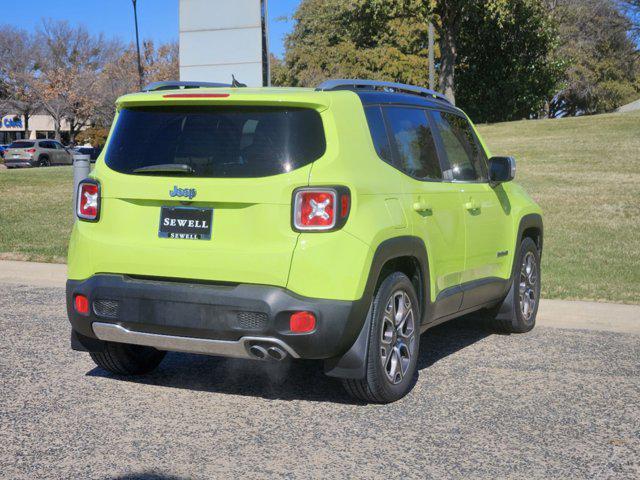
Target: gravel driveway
x,y
550,404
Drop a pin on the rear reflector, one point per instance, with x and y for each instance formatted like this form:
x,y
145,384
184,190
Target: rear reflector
x,y
302,322
82,304
196,95
344,206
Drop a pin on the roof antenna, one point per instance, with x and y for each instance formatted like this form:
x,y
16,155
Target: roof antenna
x,y
235,83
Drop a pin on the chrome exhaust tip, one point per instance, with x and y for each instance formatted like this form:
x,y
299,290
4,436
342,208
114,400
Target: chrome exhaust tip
x,y
258,352
276,353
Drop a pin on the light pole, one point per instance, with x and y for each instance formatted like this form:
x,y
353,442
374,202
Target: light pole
x,y
432,63
135,18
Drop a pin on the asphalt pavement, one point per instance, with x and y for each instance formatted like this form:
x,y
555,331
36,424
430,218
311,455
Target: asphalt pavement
x,y
553,403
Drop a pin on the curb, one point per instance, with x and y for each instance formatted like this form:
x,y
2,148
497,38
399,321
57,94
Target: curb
x,y
564,314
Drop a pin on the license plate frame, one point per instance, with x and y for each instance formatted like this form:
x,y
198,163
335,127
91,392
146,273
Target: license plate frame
x,y
185,223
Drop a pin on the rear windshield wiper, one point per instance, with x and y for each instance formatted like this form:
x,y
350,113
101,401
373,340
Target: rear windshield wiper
x,y
165,168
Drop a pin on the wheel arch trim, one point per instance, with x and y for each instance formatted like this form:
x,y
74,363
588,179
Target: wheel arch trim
x,y
532,220
353,364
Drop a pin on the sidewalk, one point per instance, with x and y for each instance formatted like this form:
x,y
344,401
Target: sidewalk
x,y
609,317
33,274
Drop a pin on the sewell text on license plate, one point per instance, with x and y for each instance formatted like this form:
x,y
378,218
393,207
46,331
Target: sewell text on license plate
x,y
185,223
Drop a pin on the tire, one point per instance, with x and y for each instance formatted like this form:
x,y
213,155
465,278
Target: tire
x,y
44,161
392,354
517,312
124,359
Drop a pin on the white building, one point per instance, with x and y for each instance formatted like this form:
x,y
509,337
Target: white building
x,y
12,127
219,38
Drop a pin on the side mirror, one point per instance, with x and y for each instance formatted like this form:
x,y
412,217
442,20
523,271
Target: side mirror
x,y
501,169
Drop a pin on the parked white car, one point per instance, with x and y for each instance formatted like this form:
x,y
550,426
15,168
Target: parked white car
x,y
36,153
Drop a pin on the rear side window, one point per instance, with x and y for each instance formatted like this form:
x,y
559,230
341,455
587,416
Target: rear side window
x,y
379,133
233,142
21,145
415,147
465,156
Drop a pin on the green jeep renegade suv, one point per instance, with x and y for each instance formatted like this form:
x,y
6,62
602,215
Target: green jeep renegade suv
x,y
335,224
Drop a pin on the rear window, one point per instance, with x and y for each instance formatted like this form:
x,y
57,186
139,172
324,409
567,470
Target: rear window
x,y
234,142
21,145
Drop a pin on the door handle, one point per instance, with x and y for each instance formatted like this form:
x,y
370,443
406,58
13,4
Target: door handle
x,y
472,206
421,206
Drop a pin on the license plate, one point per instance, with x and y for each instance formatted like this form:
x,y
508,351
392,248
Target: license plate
x,y
186,223
16,155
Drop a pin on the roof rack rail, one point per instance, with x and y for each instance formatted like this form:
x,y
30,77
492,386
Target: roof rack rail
x,y
173,85
356,84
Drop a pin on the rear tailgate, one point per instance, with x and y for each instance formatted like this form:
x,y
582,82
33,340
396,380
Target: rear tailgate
x,y
251,236
11,153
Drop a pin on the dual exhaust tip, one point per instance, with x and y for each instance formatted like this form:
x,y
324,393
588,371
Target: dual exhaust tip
x,y
267,353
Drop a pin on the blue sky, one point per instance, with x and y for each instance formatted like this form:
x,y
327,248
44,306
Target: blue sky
x,y
157,19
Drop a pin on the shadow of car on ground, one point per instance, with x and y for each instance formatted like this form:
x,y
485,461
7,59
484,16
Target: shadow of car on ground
x,y
290,380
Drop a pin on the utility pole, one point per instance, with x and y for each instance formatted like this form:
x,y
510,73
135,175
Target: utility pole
x,y
135,18
432,62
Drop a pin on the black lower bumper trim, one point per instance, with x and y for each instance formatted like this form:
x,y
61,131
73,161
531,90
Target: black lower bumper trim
x,y
216,312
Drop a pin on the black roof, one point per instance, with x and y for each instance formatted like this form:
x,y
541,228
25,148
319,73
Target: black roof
x,y
374,97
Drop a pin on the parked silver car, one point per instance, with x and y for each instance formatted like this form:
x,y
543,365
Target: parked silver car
x,y
36,153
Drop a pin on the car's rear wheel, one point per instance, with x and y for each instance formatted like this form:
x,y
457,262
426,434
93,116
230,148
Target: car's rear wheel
x,y
517,312
124,359
394,341
44,161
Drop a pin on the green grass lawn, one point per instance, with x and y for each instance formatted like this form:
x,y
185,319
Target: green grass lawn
x,y
584,172
35,213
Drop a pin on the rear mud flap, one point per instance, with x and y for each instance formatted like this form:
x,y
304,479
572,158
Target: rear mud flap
x,y
353,364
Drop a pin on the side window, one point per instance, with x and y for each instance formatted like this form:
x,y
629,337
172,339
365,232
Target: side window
x,y
413,139
466,158
379,133
46,145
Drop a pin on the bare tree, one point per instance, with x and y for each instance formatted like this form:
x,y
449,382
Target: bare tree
x,y
120,75
18,65
73,75
161,63
70,62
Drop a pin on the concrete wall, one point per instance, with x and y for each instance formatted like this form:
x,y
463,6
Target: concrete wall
x,y
219,38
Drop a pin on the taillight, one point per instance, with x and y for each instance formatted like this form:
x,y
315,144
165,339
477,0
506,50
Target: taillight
x,y
88,201
320,209
31,150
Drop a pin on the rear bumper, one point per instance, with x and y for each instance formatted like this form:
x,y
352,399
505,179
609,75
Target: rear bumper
x,y
222,320
18,162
